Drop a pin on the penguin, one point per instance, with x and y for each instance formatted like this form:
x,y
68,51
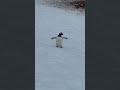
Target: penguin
x,y
59,40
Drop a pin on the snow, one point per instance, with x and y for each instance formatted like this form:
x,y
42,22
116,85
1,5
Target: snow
x,y
59,68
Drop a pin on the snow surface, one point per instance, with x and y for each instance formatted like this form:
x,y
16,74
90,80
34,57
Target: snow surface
x,y
59,68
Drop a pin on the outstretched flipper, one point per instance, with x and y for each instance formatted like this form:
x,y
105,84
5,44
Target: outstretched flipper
x,y
64,37
53,37
56,37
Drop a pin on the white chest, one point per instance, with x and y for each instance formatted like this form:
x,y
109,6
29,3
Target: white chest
x,y
59,41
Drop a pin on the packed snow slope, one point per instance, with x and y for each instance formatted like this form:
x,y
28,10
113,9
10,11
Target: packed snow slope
x,y
59,68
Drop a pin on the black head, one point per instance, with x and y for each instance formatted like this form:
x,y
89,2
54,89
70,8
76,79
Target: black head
x,y
60,34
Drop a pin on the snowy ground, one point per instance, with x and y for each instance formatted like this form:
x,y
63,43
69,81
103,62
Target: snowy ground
x,y
56,68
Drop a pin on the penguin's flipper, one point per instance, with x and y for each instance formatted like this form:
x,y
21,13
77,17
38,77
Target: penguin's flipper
x,y
53,37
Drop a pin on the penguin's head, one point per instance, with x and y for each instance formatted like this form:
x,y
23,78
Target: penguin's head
x,y
60,33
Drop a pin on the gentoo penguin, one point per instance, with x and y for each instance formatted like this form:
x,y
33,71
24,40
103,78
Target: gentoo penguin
x,y
59,40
